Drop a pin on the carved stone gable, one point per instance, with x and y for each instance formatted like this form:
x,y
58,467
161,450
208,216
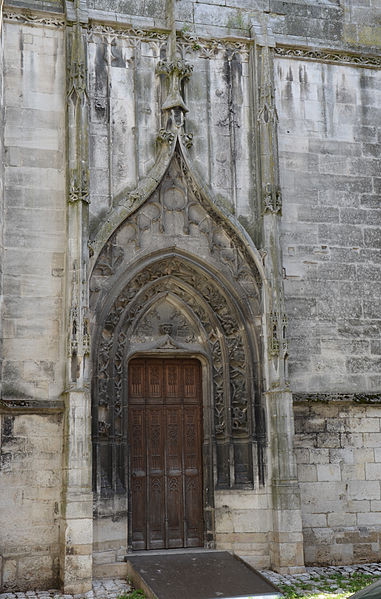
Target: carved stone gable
x,y
177,215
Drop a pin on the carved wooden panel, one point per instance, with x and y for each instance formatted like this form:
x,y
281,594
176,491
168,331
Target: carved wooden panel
x,y
165,438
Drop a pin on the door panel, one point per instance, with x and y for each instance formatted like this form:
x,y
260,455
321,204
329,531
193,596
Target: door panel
x,y
165,445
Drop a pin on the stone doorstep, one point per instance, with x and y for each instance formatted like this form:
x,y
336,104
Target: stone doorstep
x,y
197,575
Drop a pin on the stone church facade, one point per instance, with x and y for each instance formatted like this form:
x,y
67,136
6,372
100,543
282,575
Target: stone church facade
x,y
190,256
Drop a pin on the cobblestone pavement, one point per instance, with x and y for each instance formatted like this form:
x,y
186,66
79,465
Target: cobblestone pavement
x,y
326,573
111,589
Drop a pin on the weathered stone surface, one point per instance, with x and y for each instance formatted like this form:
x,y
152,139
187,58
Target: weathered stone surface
x,y
83,121
344,505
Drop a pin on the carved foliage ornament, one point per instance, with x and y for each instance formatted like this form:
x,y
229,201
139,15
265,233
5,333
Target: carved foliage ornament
x,y
33,19
188,43
324,56
272,199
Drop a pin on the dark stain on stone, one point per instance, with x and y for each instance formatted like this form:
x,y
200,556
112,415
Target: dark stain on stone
x,y
7,428
117,58
100,71
21,48
290,76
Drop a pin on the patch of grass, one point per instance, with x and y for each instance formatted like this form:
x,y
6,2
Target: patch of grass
x,y
134,594
137,594
332,586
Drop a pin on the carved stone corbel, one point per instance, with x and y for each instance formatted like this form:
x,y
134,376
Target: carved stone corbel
x,y
176,71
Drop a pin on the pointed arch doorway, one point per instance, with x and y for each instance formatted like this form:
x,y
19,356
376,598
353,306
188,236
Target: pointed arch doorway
x,y
165,433
176,279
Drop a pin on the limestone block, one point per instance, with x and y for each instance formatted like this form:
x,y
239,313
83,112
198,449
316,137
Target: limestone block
x,y
104,557
372,439
251,520
365,425
314,493
307,473
345,456
365,552
78,509
377,455
244,500
369,519
9,572
328,440
337,425
302,456
364,490
224,520
341,519
305,441
358,505
38,566
314,520
329,472
77,572
287,521
258,562
79,531
373,411
353,472
354,439
319,455
47,178
109,534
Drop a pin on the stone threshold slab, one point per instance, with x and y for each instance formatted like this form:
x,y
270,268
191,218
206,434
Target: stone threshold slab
x,y
197,575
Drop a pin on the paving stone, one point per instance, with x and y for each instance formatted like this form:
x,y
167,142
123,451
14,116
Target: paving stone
x,y
112,588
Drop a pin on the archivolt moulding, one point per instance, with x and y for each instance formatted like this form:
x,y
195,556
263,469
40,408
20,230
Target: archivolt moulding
x,y
214,325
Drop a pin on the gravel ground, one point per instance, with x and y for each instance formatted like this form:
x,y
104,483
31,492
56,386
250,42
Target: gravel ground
x,y
110,589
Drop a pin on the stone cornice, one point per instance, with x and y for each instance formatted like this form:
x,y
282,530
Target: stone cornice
x,y
358,398
17,405
206,48
33,18
191,43
330,56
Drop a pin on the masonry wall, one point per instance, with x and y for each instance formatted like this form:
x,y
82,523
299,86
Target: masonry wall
x,y
330,144
34,210
34,239
125,118
244,524
30,500
337,447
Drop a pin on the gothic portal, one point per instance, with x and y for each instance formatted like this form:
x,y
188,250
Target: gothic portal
x,y
163,315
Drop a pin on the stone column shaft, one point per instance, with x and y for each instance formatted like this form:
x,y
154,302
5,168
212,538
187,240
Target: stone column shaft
x,y
77,523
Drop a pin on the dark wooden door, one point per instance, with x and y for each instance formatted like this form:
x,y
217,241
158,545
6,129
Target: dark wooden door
x,y
165,436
